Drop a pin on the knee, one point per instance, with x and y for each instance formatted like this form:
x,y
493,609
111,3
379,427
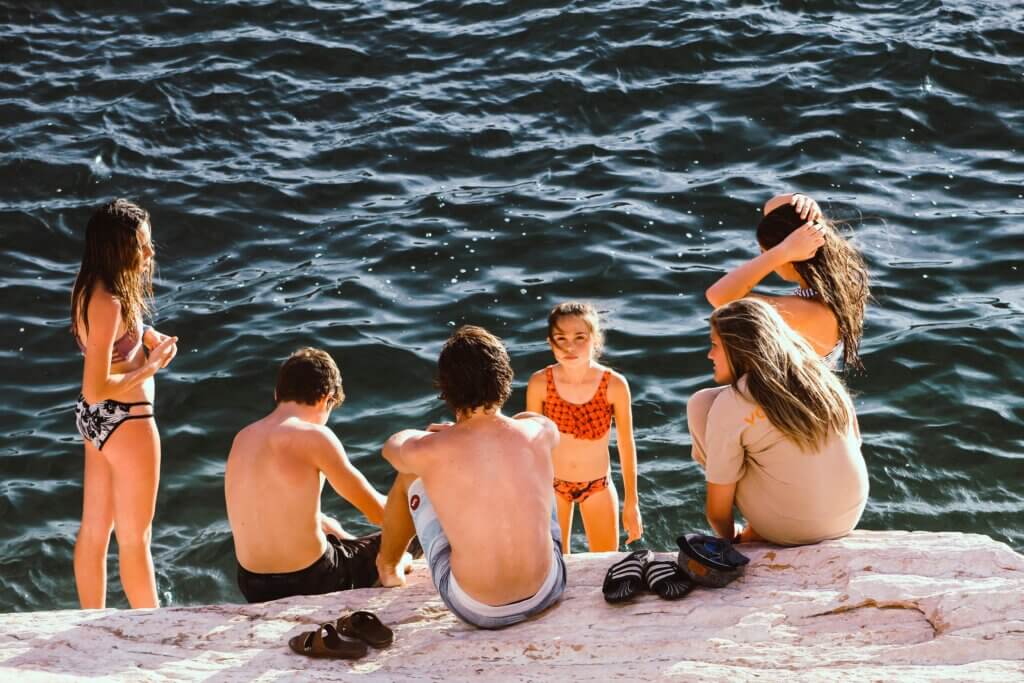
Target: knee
x,y
133,538
93,534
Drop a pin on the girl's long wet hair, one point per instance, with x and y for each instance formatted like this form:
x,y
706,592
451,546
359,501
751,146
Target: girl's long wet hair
x,y
836,272
794,387
113,250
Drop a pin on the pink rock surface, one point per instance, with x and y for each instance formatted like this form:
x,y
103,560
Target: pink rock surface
x,y
873,606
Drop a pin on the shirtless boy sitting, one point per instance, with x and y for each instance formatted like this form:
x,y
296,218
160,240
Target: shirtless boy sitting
x,y
477,494
275,471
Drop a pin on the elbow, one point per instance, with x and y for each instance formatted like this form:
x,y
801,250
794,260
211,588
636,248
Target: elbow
x,y
391,453
714,298
376,516
92,393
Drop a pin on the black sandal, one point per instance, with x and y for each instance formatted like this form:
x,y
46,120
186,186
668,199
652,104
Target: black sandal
x,y
625,578
366,627
325,643
667,580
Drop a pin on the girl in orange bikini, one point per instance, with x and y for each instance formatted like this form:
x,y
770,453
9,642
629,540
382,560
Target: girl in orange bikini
x,y
582,396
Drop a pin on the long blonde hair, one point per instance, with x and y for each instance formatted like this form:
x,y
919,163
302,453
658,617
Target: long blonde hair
x,y
836,272
784,376
113,247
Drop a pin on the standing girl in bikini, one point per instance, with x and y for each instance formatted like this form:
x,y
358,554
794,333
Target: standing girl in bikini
x,y
799,245
114,412
581,396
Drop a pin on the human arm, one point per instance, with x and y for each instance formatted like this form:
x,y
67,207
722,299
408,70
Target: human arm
x,y
726,458
329,457
151,339
98,383
398,450
718,510
799,245
535,393
622,404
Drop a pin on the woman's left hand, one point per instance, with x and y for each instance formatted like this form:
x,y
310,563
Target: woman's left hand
x,y
152,339
632,523
805,207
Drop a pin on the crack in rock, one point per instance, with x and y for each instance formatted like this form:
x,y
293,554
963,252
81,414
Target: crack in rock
x,y
937,629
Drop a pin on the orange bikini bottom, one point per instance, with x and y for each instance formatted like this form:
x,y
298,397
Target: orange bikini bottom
x,y
579,491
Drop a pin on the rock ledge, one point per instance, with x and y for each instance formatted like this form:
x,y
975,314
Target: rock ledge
x,y
873,606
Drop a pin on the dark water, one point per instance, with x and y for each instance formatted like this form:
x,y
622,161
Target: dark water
x,y
364,176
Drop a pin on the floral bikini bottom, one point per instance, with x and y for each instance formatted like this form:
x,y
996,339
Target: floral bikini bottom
x,y
99,421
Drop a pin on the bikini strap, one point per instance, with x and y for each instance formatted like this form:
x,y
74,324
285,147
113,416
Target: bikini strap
x,y
603,389
549,374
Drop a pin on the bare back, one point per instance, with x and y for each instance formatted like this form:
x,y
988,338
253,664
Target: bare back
x,y
272,490
489,479
814,320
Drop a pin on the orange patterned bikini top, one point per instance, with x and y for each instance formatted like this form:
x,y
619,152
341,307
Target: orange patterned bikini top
x,y
590,420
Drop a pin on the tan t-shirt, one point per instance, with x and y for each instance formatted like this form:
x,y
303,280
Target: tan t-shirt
x,y
789,496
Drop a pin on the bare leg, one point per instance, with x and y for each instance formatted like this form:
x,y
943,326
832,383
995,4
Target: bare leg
x,y
331,526
601,520
564,510
134,455
94,534
393,563
697,410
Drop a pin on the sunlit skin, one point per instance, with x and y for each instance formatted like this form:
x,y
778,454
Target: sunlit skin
x,y
721,497
812,318
577,377
121,481
273,479
722,368
485,473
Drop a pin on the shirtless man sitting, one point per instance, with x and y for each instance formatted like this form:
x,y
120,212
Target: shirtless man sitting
x,y
275,472
478,494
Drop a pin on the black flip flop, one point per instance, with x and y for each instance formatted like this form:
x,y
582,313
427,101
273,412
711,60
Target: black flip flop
x,y
667,580
324,643
625,578
366,627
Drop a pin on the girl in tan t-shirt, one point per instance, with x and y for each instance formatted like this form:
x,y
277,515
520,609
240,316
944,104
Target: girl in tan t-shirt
x,y
780,441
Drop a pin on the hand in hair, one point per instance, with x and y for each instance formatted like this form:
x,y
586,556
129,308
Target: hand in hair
x,y
806,207
803,243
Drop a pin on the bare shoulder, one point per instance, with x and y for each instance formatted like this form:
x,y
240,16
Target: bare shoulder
x,y
798,310
618,385
538,379
306,439
103,305
536,428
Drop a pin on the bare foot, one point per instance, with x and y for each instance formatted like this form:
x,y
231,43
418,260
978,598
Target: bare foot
x,y
748,535
394,576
